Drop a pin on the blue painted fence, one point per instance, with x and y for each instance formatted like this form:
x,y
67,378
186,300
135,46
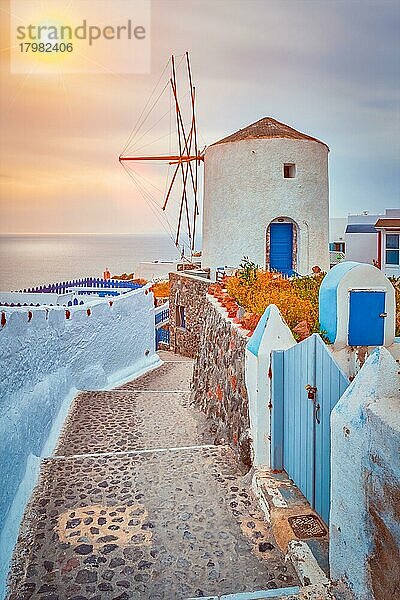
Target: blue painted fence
x,y
162,336
306,385
61,287
162,316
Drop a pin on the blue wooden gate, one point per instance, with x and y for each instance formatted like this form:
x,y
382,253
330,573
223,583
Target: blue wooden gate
x,y
306,384
281,247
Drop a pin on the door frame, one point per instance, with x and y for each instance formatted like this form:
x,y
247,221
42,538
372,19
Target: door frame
x,y
295,238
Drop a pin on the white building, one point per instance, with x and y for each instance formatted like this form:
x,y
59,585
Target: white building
x,y
337,245
374,239
266,197
361,238
337,228
388,227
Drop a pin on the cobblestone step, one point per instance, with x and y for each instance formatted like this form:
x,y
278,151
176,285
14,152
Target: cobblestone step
x,y
288,593
136,504
172,375
131,420
168,525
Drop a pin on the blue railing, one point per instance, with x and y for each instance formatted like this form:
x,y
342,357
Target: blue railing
x,y
61,287
162,316
162,336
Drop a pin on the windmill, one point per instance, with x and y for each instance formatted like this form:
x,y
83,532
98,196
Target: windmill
x,y
186,162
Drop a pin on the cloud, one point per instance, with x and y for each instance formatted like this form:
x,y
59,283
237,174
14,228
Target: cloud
x,y
330,69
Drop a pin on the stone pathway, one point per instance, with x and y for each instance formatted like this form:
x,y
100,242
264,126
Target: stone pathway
x,y
136,503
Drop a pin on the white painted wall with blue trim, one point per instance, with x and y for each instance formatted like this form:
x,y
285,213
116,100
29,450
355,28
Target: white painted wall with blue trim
x,y
334,296
365,481
42,364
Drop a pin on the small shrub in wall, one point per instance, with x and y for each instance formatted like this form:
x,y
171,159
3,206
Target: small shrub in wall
x,y
296,298
161,289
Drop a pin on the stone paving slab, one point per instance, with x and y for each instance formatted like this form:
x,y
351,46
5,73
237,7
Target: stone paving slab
x,y
170,376
157,525
122,421
168,356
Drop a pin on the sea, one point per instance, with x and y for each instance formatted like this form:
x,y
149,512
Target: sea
x,y
31,260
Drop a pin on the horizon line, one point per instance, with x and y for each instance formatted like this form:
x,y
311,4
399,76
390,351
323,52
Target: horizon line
x,y
20,233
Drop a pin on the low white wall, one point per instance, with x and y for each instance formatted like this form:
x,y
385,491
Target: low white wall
x,y
31,298
271,333
43,361
365,481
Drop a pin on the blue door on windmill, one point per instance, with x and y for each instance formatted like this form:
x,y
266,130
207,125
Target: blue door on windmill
x,y
281,247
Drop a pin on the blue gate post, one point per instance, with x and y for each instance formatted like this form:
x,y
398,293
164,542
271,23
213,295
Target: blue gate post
x,y
277,410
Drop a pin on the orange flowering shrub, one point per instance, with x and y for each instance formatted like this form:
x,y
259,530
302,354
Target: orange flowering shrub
x,y
140,281
161,289
297,298
123,277
250,321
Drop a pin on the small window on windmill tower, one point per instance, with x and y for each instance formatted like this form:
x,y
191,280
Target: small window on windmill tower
x,y
289,170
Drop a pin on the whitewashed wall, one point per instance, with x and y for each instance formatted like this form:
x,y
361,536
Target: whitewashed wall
x,y
31,298
42,363
244,190
365,481
271,333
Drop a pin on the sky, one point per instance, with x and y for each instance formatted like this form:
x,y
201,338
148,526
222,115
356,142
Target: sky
x,y
330,69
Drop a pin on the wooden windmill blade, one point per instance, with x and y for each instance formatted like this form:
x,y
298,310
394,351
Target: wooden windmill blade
x,y
187,139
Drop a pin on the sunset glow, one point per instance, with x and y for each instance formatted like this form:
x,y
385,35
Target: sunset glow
x,y
62,133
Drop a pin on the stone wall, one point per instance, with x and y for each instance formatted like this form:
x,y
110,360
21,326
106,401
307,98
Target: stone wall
x,y
189,292
218,385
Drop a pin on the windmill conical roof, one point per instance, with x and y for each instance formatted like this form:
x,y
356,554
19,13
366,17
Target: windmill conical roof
x,y
267,128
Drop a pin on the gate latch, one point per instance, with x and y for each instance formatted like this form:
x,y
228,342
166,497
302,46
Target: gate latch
x,y
311,391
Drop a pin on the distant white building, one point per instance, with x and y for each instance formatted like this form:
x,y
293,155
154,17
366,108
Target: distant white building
x,y
374,239
361,238
388,227
266,197
337,228
337,244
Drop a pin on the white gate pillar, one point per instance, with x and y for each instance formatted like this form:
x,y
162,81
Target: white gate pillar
x,y
271,333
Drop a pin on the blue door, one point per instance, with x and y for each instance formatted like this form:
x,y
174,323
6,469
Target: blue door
x,y
281,247
366,307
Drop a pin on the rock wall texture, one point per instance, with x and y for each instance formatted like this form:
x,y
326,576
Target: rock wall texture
x,y
187,292
218,385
